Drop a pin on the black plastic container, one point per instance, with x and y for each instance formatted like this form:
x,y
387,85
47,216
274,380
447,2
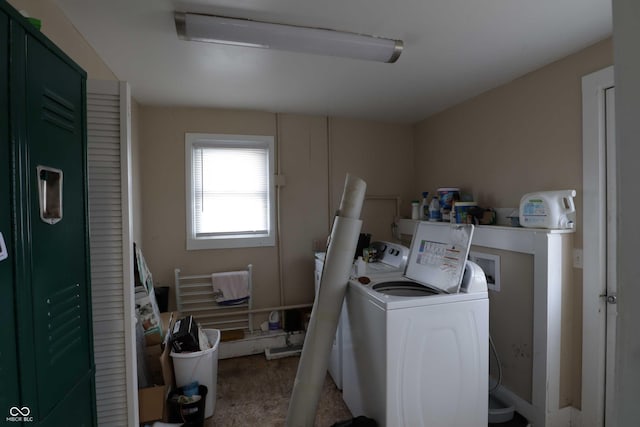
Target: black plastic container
x,y
364,240
191,414
184,336
162,298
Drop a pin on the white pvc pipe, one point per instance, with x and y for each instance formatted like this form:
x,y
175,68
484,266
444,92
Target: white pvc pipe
x,y
312,368
352,197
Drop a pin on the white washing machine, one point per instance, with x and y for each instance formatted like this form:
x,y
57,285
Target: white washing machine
x,y
418,354
391,260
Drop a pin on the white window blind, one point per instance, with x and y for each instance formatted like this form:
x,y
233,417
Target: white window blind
x,y
231,197
231,190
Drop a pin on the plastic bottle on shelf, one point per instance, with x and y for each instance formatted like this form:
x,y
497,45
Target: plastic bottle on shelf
x,y
424,207
415,210
434,210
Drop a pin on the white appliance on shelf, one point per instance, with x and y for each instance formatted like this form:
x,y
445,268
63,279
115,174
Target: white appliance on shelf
x,y
418,354
391,260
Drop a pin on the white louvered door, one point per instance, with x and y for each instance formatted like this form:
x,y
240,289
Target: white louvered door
x,y
108,140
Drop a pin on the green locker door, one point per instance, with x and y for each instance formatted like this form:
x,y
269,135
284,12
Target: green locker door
x,y
55,141
9,396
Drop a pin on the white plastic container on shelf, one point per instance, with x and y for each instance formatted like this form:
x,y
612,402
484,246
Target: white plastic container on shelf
x,y
200,366
415,210
548,209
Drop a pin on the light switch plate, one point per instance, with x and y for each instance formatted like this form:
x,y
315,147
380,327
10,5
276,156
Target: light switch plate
x,y
577,258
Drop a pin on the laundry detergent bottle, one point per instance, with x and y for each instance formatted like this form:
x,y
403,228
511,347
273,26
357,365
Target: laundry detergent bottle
x,y
434,210
548,209
424,207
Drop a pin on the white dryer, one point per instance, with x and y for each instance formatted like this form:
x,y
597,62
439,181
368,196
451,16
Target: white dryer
x,y
418,354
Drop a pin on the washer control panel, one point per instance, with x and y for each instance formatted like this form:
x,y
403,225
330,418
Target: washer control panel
x,y
392,254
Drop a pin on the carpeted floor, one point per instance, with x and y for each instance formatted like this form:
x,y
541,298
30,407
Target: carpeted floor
x,y
253,391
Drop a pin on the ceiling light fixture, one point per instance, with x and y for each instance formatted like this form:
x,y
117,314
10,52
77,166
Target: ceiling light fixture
x,y
245,32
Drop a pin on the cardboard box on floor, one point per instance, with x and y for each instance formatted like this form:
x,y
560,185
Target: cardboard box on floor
x,y
152,400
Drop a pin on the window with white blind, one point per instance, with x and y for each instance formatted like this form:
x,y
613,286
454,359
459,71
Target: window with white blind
x,y
230,196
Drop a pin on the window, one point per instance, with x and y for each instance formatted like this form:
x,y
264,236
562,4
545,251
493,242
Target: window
x,y
230,197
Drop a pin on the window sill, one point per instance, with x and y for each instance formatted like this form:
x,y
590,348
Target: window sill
x,y
230,243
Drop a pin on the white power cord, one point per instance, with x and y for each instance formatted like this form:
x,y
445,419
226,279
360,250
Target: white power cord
x,y
495,354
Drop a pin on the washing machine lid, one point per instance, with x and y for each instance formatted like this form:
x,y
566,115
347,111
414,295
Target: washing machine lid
x,y
438,254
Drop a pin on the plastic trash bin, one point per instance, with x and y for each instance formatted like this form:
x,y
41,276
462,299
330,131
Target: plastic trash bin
x,y
201,366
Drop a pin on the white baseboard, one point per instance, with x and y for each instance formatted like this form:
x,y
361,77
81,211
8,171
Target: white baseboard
x,y
257,342
576,417
565,417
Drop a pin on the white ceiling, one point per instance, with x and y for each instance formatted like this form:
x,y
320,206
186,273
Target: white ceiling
x,y
453,50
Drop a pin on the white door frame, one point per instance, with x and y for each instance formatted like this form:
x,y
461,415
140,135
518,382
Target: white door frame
x,y
594,191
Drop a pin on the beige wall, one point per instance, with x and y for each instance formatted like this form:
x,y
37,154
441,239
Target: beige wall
x,y
59,29
310,155
381,154
163,197
520,137
511,320
304,201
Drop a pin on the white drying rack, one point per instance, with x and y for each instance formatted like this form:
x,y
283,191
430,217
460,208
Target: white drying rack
x,y
194,296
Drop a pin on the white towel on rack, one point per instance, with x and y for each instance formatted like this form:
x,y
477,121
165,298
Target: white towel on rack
x,y
231,287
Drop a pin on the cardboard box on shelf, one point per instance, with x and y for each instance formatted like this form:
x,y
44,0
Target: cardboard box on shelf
x,y
151,403
154,368
153,352
152,400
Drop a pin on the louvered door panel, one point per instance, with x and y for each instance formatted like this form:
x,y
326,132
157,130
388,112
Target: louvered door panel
x,y
110,258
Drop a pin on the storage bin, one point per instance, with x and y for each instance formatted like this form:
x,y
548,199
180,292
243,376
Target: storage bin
x,y
200,366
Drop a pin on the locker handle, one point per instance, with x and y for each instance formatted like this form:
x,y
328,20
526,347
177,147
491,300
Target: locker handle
x,y
50,194
3,248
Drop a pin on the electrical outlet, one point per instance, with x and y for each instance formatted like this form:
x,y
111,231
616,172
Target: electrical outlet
x,y
577,258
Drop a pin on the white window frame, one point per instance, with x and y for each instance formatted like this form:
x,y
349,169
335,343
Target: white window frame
x,y
228,241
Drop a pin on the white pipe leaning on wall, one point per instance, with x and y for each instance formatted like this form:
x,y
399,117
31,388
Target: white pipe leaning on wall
x,y
312,368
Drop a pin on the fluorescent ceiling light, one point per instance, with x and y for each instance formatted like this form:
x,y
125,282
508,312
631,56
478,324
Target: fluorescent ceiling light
x,y
244,32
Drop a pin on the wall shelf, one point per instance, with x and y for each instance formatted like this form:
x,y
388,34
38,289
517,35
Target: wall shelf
x,y
551,250
516,239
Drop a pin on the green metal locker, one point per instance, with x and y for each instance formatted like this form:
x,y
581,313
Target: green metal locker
x,y
46,196
9,393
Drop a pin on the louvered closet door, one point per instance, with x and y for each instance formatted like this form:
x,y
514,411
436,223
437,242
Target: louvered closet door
x,y
111,259
59,272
